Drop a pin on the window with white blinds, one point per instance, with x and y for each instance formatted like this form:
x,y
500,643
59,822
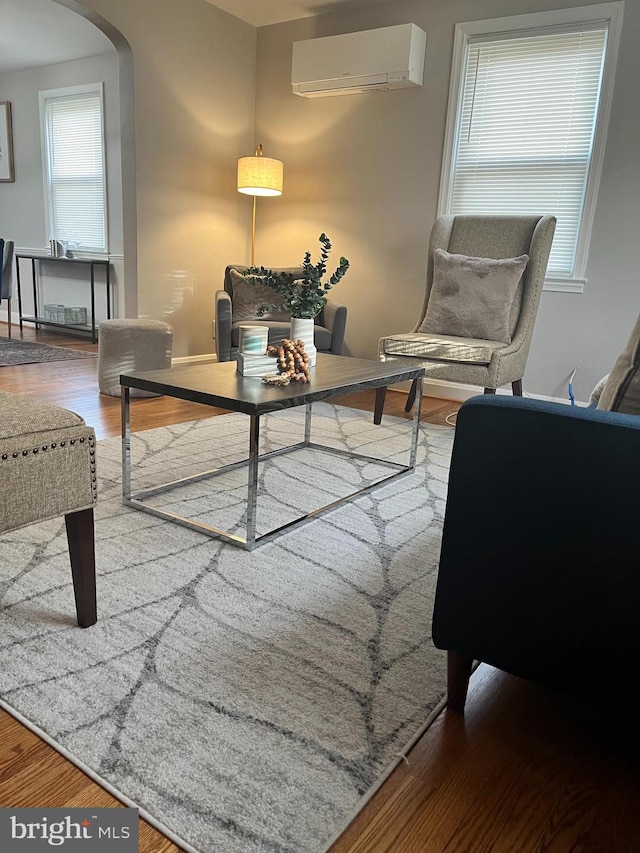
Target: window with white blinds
x,y
74,159
526,116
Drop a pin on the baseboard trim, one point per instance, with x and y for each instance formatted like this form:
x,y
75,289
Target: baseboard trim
x,y
15,319
460,392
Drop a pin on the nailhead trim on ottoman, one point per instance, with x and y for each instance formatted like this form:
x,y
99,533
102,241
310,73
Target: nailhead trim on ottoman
x,y
47,462
129,345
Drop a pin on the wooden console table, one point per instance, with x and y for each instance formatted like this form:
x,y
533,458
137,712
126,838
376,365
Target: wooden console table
x,y
41,321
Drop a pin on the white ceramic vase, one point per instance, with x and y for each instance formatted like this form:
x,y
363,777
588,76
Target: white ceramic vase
x,y
302,330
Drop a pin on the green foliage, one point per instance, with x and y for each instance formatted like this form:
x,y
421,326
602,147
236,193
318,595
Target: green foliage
x,y
303,297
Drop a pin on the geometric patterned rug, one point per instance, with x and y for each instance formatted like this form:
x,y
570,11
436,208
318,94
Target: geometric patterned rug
x,y
245,701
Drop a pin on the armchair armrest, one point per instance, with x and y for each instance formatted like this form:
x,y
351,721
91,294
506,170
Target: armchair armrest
x,y
334,318
539,569
222,313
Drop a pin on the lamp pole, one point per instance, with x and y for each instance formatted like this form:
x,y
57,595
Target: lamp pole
x,y
253,233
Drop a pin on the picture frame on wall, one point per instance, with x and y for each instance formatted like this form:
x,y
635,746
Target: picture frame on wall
x,y
7,173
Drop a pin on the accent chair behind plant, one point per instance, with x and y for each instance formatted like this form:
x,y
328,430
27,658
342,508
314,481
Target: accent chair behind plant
x,y
238,303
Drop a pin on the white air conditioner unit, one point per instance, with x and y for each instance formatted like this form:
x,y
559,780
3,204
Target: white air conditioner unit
x,y
368,61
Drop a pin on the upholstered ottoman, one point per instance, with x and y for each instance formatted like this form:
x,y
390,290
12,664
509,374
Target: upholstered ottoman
x,y
48,469
128,345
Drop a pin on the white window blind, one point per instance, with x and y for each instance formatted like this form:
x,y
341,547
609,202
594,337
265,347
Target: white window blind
x,y
525,129
74,156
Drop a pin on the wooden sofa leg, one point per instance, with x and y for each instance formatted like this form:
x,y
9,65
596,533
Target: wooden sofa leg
x,y
458,674
379,405
412,396
516,387
80,536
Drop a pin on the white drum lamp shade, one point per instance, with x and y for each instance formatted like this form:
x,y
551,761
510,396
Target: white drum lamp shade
x,y
262,176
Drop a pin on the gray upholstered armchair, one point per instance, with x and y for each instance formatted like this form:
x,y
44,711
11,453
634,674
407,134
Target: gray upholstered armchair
x,y
6,276
477,359
237,305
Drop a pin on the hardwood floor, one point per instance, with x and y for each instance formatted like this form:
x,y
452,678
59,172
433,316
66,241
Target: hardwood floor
x,y
523,770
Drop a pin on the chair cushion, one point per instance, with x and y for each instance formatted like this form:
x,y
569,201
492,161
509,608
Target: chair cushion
x,y
442,347
247,298
621,392
472,297
47,462
278,330
25,416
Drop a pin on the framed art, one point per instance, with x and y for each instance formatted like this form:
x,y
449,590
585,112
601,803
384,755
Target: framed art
x,y
6,143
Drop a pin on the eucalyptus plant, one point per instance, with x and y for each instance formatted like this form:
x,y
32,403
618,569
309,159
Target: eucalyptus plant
x,y
305,297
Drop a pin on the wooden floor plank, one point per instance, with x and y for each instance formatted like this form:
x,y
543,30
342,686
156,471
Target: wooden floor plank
x,y
523,771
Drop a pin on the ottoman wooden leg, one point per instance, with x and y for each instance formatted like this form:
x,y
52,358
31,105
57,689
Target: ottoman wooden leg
x,y
80,536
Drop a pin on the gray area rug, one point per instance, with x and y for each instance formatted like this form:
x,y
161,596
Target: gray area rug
x,y
245,702
16,351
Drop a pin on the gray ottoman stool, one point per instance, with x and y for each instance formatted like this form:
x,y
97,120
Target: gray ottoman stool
x,y
128,345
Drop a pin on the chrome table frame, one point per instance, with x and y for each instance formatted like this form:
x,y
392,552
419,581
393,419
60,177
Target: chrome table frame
x,y
252,540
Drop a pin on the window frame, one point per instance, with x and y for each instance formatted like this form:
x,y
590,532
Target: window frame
x,y
70,91
612,14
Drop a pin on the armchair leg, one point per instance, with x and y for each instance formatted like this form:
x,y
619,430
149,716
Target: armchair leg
x,y
379,404
458,674
412,396
80,536
516,387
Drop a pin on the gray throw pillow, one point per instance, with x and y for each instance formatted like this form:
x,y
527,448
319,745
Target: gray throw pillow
x,y
247,298
621,392
472,297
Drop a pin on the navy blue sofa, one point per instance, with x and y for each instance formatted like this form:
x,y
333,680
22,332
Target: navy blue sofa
x,y
539,572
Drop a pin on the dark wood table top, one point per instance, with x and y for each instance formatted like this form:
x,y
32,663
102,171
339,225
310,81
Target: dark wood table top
x,y
221,385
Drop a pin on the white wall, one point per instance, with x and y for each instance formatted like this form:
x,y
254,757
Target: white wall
x,y
366,169
194,98
22,203
193,111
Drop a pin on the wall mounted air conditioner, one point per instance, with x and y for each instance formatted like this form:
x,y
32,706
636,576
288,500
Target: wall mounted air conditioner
x,y
368,61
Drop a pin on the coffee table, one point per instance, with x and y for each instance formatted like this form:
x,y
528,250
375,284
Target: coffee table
x,y
221,385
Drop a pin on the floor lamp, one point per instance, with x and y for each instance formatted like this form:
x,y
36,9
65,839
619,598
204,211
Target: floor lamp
x,y
259,175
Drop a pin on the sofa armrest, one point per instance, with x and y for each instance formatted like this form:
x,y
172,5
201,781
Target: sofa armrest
x,y
334,318
539,565
222,313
